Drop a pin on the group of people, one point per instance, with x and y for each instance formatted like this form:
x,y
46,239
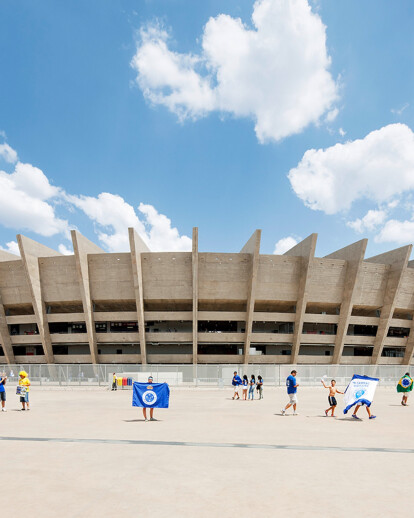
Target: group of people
x,y
245,385
23,391
405,385
292,388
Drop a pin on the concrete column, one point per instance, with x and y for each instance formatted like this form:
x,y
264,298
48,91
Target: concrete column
x,y
137,248
306,251
30,252
409,348
194,257
397,260
353,255
82,247
4,330
252,247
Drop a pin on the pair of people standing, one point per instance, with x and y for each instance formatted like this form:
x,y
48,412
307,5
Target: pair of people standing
x,y
247,384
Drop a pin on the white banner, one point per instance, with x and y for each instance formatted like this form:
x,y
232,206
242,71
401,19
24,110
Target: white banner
x,y
360,391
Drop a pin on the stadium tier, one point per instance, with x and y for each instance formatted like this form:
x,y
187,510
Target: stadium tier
x,y
206,308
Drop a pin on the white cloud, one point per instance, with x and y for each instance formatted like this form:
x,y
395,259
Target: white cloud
x,y
8,153
161,236
400,110
65,250
332,115
284,244
371,220
23,202
377,167
342,132
113,215
28,200
12,247
394,231
276,73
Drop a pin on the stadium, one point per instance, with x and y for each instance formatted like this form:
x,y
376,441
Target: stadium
x,y
145,307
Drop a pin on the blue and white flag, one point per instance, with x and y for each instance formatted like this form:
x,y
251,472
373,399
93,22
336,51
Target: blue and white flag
x,y
360,391
151,395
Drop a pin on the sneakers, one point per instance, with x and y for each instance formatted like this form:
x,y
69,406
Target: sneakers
x,y
3,410
372,416
283,411
152,419
146,419
355,417
295,413
326,413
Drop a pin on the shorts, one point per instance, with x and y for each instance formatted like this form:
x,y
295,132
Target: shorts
x,y
3,396
293,399
236,388
25,398
332,400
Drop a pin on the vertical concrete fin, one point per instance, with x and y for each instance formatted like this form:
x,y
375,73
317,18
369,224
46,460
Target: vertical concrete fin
x,y
81,248
7,256
5,336
398,261
30,252
194,258
353,255
306,251
137,248
252,247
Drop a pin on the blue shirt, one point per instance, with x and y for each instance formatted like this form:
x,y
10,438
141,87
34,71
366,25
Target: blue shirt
x,y
245,383
290,383
2,388
236,380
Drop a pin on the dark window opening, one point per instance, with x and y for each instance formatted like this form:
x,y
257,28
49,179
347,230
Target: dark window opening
x,y
60,349
393,352
23,329
218,349
27,350
67,327
123,327
319,329
398,332
363,351
357,330
209,326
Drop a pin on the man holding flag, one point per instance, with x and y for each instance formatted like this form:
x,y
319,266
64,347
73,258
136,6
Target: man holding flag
x,y
150,395
405,385
360,392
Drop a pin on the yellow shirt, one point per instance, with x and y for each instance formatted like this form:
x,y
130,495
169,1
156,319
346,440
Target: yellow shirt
x,y
25,382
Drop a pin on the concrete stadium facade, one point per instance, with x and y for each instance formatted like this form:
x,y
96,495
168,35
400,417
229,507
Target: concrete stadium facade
x,y
206,308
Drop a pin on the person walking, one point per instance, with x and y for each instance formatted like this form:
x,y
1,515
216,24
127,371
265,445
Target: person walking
x,y
245,385
292,388
24,382
236,381
114,381
260,386
252,384
3,380
331,398
405,385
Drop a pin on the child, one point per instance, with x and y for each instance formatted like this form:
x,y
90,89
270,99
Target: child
x,y
24,382
331,398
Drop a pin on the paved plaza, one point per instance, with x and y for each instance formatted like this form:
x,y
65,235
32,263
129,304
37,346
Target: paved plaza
x,y
81,453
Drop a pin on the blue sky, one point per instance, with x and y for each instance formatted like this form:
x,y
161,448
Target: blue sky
x,y
73,106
